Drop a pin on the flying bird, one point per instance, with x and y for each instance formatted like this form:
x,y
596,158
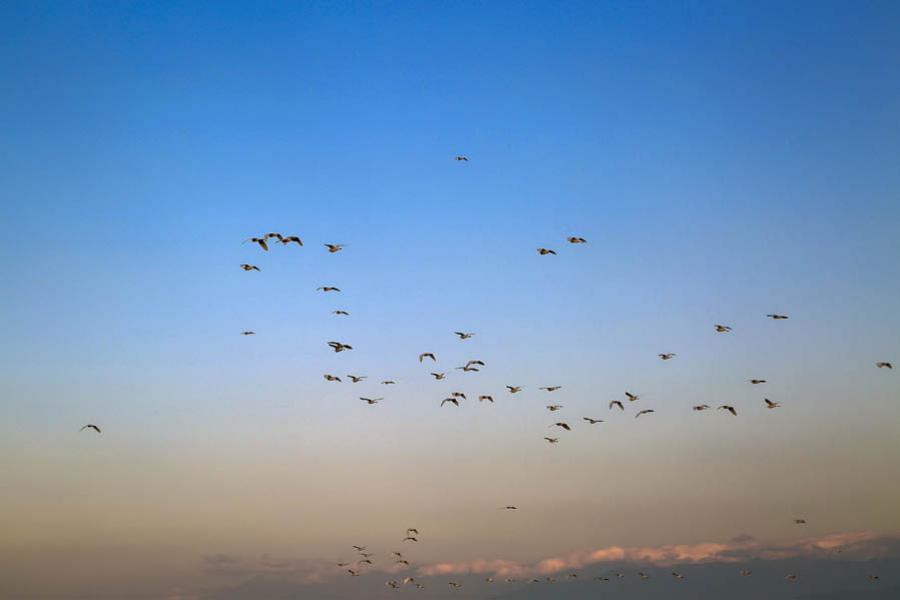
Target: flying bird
x,y
359,548
410,538
438,376
677,575
550,388
248,333
770,404
328,288
467,369
554,407
462,158
388,382
458,395
291,238
412,531
353,573
791,577
463,335
277,236
730,409
401,561
884,365
546,251
486,397
261,241
514,389
425,355
632,397
474,362
331,377
577,240
800,521
356,378
453,401
592,421
91,426
700,407
722,328
644,412
340,312
666,355
756,381
247,267
371,401
873,578
339,347
562,425
616,403
332,248
551,440
777,317
510,507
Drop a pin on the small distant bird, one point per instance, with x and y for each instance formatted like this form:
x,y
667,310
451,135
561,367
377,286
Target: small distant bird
x,y
458,395
438,376
371,401
339,347
364,561
388,382
334,247
514,389
577,240
454,584
366,554
277,236
467,369
873,578
489,580
551,440
730,409
408,579
392,584
677,575
340,312
791,577
353,573
359,548
616,403
343,564
667,355
331,377
486,397
884,365
397,554
546,251
410,538
401,561
510,507
632,397
550,388
474,362
563,425
756,381
592,421
644,412
770,404
723,328
248,333
249,267
800,521
425,355
745,573
453,401
328,288
463,335
90,426
643,575
700,407
462,158
554,407
777,317
291,238
261,241
412,531
356,378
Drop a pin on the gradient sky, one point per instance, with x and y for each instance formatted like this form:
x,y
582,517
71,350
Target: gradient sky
x,y
724,160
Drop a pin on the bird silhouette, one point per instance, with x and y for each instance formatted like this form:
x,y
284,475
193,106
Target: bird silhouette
x,y
463,335
884,365
371,400
592,421
248,333
562,425
616,403
339,347
291,238
777,317
646,411
554,407
438,376
453,401
462,158
576,240
247,267
91,426
756,381
546,251
700,407
261,241
332,248
552,440
486,397
340,312
666,355
770,404
328,288
356,378
425,355
514,389
550,388
729,408
722,328
329,377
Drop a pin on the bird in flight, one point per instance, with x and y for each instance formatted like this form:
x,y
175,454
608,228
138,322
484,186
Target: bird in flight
x,y
392,585
800,521
723,328
425,355
366,554
677,575
247,267
339,347
353,573
770,404
331,377
510,507
616,403
554,407
632,397
364,561
563,425
328,288
884,365
359,548
467,369
248,333
340,312
576,240
666,355
463,335
546,251
756,381
730,409
646,411
453,401
462,158
700,407
514,389
412,531
438,376
410,538
277,236
458,395
791,577
90,426
777,317
371,401
551,440
873,578
332,248
388,382
592,421
486,397
550,388
291,238
356,378
261,241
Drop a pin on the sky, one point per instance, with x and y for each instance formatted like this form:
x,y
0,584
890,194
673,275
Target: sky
x,y
723,161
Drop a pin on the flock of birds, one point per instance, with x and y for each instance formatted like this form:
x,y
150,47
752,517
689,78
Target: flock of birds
x,y
357,568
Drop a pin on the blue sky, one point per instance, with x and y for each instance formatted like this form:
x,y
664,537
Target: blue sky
x,y
724,160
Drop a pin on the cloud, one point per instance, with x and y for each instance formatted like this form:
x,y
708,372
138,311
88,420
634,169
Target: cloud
x,y
849,546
